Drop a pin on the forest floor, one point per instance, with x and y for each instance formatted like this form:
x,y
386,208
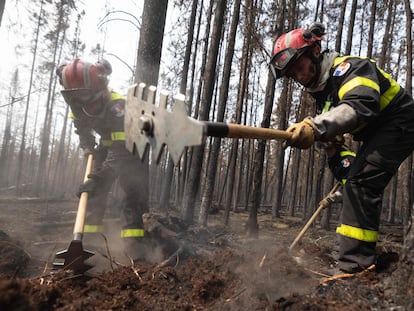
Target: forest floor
x,y
219,267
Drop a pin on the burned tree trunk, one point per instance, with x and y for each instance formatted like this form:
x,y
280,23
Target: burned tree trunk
x,y
197,160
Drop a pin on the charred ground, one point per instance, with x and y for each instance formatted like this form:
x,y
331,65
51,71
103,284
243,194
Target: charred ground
x,y
217,268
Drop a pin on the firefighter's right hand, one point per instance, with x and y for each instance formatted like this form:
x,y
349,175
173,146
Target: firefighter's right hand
x,y
303,135
88,186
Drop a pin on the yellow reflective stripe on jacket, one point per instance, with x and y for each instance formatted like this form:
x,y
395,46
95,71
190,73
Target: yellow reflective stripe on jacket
x,y
386,97
327,106
357,233
118,135
115,96
343,181
355,82
347,152
132,233
341,59
92,228
71,115
389,94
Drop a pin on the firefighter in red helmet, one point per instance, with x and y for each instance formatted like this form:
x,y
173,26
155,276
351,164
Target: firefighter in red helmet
x,y
98,116
352,95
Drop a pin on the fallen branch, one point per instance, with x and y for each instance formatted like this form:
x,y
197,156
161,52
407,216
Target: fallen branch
x,y
134,269
262,261
236,295
169,260
317,273
347,275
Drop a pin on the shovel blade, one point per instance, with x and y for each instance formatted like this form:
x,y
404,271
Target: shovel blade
x,y
74,258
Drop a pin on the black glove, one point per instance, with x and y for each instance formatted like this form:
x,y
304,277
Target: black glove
x,y
340,163
88,151
90,186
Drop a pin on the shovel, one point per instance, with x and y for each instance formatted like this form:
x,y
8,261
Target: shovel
x,y
148,126
75,255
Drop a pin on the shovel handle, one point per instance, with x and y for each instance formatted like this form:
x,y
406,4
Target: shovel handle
x,y
232,130
81,214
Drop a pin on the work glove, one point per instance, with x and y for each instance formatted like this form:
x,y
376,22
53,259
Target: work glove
x,y
302,135
90,186
340,163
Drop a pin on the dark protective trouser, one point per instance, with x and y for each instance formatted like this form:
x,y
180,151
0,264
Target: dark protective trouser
x,y
133,179
97,204
375,164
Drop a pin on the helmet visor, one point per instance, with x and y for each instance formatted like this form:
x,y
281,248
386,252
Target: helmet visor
x,y
79,97
282,59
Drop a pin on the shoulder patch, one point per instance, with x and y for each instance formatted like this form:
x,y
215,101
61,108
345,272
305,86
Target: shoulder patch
x,y
118,110
341,69
345,163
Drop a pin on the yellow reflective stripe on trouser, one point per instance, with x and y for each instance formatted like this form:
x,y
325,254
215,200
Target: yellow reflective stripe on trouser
x,y
106,142
347,152
132,233
355,82
118,135
357,233
92,228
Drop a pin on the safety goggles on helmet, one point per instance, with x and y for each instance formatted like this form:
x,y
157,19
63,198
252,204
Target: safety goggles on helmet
x,y
282,60
80,97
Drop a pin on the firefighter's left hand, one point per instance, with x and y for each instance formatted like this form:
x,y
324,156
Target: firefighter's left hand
x,y
303,135
340,163
89,186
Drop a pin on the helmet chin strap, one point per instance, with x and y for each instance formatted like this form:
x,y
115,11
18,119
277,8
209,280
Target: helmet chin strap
x,y
325,64
101,113
316,60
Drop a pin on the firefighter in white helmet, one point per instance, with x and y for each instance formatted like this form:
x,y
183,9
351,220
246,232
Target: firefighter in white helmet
x,y
353,95
98,110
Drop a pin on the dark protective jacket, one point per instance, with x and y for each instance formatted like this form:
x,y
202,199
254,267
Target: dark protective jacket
x,y
371,93
109,124
361,99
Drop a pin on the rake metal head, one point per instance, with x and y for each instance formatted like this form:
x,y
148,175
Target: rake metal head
x,y
74,258
153,127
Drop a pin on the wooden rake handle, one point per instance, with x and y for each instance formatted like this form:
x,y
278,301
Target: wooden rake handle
x,y
325,202
231,130
83,201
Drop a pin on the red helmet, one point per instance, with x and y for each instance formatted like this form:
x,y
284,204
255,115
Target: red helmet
x,y
83,82
79,74
290,46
